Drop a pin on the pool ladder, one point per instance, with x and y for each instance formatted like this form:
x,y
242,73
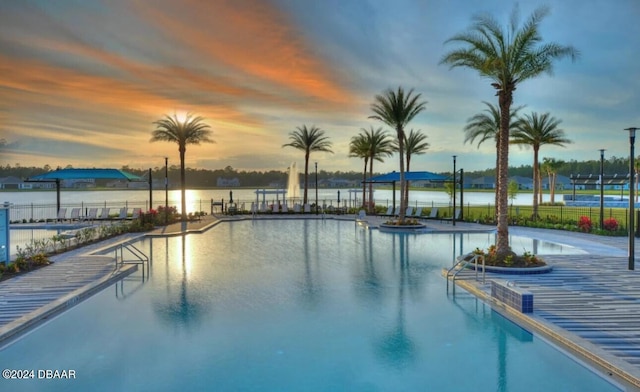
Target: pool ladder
x,y
139,257
461,265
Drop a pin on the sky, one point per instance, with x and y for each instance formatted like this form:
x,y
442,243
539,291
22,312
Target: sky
x,y
82,81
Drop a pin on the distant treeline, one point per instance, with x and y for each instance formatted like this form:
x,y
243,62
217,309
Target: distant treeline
x,y
206,178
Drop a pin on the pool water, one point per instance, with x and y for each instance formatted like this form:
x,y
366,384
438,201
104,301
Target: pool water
x,y
295,305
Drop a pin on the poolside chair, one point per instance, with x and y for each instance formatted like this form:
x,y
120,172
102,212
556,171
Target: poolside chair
x,y
104,215
362,215
296,208
389,211
136,213
285,209
123,213
276,208
396,212
62,215
75,214
91,215
433,214
456,216
417,213
307,208
408,212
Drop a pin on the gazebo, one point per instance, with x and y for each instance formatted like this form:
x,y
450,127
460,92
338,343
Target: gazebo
x,y
80,174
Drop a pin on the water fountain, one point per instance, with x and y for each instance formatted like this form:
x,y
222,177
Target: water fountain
x,y
293,184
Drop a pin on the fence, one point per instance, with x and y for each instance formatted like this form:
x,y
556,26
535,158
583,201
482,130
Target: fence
x,y
471,212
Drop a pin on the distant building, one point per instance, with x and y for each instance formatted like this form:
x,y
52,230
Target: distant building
x,y
79,183
222,182
523,182
483,183
13,183
340,183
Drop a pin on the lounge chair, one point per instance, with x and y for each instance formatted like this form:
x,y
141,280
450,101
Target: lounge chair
x,y
307,208
408,212
91,215
276,208
296,208
456,216
389,211
62,215
104,215
396,212
362,215
433,214
417,213
136,213
123,213
75,214
285,209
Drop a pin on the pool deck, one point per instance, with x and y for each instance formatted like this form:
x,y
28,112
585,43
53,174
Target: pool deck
x,y
589,304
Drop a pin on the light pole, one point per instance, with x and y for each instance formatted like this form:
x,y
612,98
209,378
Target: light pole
x,y
602,189
316,188
632,139
453,221
166,190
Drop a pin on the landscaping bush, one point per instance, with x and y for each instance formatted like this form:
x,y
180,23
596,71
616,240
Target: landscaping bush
x,y
584,224
610,224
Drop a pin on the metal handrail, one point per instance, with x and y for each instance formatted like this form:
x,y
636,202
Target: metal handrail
x,y
461,265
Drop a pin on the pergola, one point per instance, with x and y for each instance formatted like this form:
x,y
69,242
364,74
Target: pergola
x,y
81,174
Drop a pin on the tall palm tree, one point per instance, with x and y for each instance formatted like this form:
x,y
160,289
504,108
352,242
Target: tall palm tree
x,y
397,109
308,140
551,166
486,126
358,148
415,144
506,58
380,146
191,130
535,131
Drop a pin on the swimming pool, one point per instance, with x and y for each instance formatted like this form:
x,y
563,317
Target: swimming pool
x,y
295,305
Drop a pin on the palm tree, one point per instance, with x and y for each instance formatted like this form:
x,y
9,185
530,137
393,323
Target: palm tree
x,y
506,58
415,144
397,109
380,146
371,144
308,140
551,166
486,126
191,130
536,131
358,148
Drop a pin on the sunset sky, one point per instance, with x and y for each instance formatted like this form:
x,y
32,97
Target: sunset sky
x,y
82,81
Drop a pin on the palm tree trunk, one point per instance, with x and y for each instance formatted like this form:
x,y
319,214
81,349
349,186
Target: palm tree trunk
x,y
364,178
495,207
552,194
370,187
402,183
502,241
406,191
183,183
306,177
536,189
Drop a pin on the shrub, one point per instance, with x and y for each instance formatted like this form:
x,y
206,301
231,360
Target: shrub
x,y
610,224
584,224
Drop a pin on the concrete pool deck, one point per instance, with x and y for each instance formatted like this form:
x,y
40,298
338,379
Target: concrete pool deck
x,y
589,304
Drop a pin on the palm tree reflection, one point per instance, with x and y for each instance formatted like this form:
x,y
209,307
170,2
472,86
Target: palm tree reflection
x,y
188,308
396,347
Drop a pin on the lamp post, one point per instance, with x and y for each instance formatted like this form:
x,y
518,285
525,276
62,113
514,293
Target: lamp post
x,y
602,189
453,221
316,188
632,139
166,190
